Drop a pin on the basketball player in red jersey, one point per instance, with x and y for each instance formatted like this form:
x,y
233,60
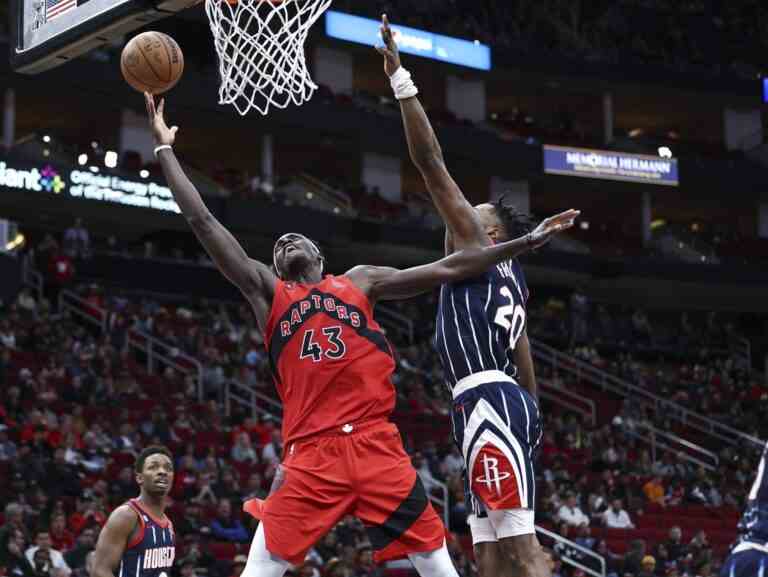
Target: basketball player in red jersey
x,y
332,366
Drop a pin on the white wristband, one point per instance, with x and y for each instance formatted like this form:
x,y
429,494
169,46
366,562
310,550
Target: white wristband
x,y
161,147
402,85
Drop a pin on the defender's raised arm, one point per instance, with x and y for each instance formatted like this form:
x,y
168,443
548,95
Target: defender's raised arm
x,y
384,283
463,224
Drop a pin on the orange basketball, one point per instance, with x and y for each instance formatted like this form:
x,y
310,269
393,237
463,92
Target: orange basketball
x,y
152,62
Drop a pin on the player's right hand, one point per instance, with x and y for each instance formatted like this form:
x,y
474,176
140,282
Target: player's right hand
x,y
389,51
160,130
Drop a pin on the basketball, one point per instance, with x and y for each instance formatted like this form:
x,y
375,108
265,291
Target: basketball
x,y
152,62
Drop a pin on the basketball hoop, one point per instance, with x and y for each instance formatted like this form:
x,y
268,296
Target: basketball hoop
x,y
260,45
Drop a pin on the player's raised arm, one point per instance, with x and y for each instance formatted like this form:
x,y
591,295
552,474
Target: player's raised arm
x,y
463,224
113,539
254,279
384,283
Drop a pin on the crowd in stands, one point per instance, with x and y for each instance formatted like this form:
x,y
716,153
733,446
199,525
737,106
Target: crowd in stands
x,y
718,37
699,360
75,406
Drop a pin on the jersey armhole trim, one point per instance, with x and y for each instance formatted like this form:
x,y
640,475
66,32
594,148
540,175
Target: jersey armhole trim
x,y
139,537
162,523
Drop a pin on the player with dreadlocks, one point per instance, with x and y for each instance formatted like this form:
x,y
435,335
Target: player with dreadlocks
x,y
482,342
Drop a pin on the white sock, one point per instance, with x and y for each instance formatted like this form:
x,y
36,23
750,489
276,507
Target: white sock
x,y
261,563
434,564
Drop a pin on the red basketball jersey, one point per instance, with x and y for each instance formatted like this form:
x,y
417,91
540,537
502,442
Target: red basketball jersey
x,y
331,361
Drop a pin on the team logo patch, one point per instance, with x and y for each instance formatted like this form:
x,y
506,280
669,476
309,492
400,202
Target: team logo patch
x,y
494,481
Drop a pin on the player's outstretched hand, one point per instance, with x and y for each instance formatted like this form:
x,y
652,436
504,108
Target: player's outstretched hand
x,y
551,226
389,51
163,134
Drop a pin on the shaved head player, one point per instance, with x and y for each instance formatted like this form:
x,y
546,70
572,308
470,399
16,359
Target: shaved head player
x,y
332,365
138,539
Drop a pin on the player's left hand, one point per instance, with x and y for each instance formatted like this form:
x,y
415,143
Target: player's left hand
x,y
552,226
389,51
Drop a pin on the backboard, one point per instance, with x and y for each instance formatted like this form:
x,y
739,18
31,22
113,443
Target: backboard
x,y
48,33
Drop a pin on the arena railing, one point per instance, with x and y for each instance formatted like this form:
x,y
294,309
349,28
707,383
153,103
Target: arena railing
x,y
246,396
155,350
576,547
395,321
158,352
333,196
664,441
568,399
584,371
78,307
31,278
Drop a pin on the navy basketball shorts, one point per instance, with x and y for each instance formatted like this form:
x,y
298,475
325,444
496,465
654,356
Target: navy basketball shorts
x,y
747,560
497,426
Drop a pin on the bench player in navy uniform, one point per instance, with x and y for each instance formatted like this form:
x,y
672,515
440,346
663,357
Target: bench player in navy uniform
x,y
484,349
138,539
749,557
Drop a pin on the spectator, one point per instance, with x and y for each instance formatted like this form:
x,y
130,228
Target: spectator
x,y
453,463
425,474
365,566
44,546
61,538
191,523
238,565
273,451
124,487
12,557
14,521
675,545
227,488
188,569
226,527
87,514
197,555
647,567
203,489
243,451
60,271
61,478
571,514
77,241
85,543
7,335
654,491
633,560
616,517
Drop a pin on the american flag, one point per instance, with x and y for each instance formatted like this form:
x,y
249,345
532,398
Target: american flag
x,y
55,8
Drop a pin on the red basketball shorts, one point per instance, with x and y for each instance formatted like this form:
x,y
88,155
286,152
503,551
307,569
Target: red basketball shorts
x,y
365,473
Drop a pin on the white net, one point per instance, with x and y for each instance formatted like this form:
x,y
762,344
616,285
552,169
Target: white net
x,y
260,45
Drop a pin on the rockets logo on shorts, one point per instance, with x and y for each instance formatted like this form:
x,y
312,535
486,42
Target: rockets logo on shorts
x,y
494,481
492,477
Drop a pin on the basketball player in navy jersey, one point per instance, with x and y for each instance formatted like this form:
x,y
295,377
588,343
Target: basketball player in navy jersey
x,y
332,365
138,539
749,557
484,349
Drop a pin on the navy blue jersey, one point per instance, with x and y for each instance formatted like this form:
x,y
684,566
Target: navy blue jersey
x,y
753,526
479,321
152,550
